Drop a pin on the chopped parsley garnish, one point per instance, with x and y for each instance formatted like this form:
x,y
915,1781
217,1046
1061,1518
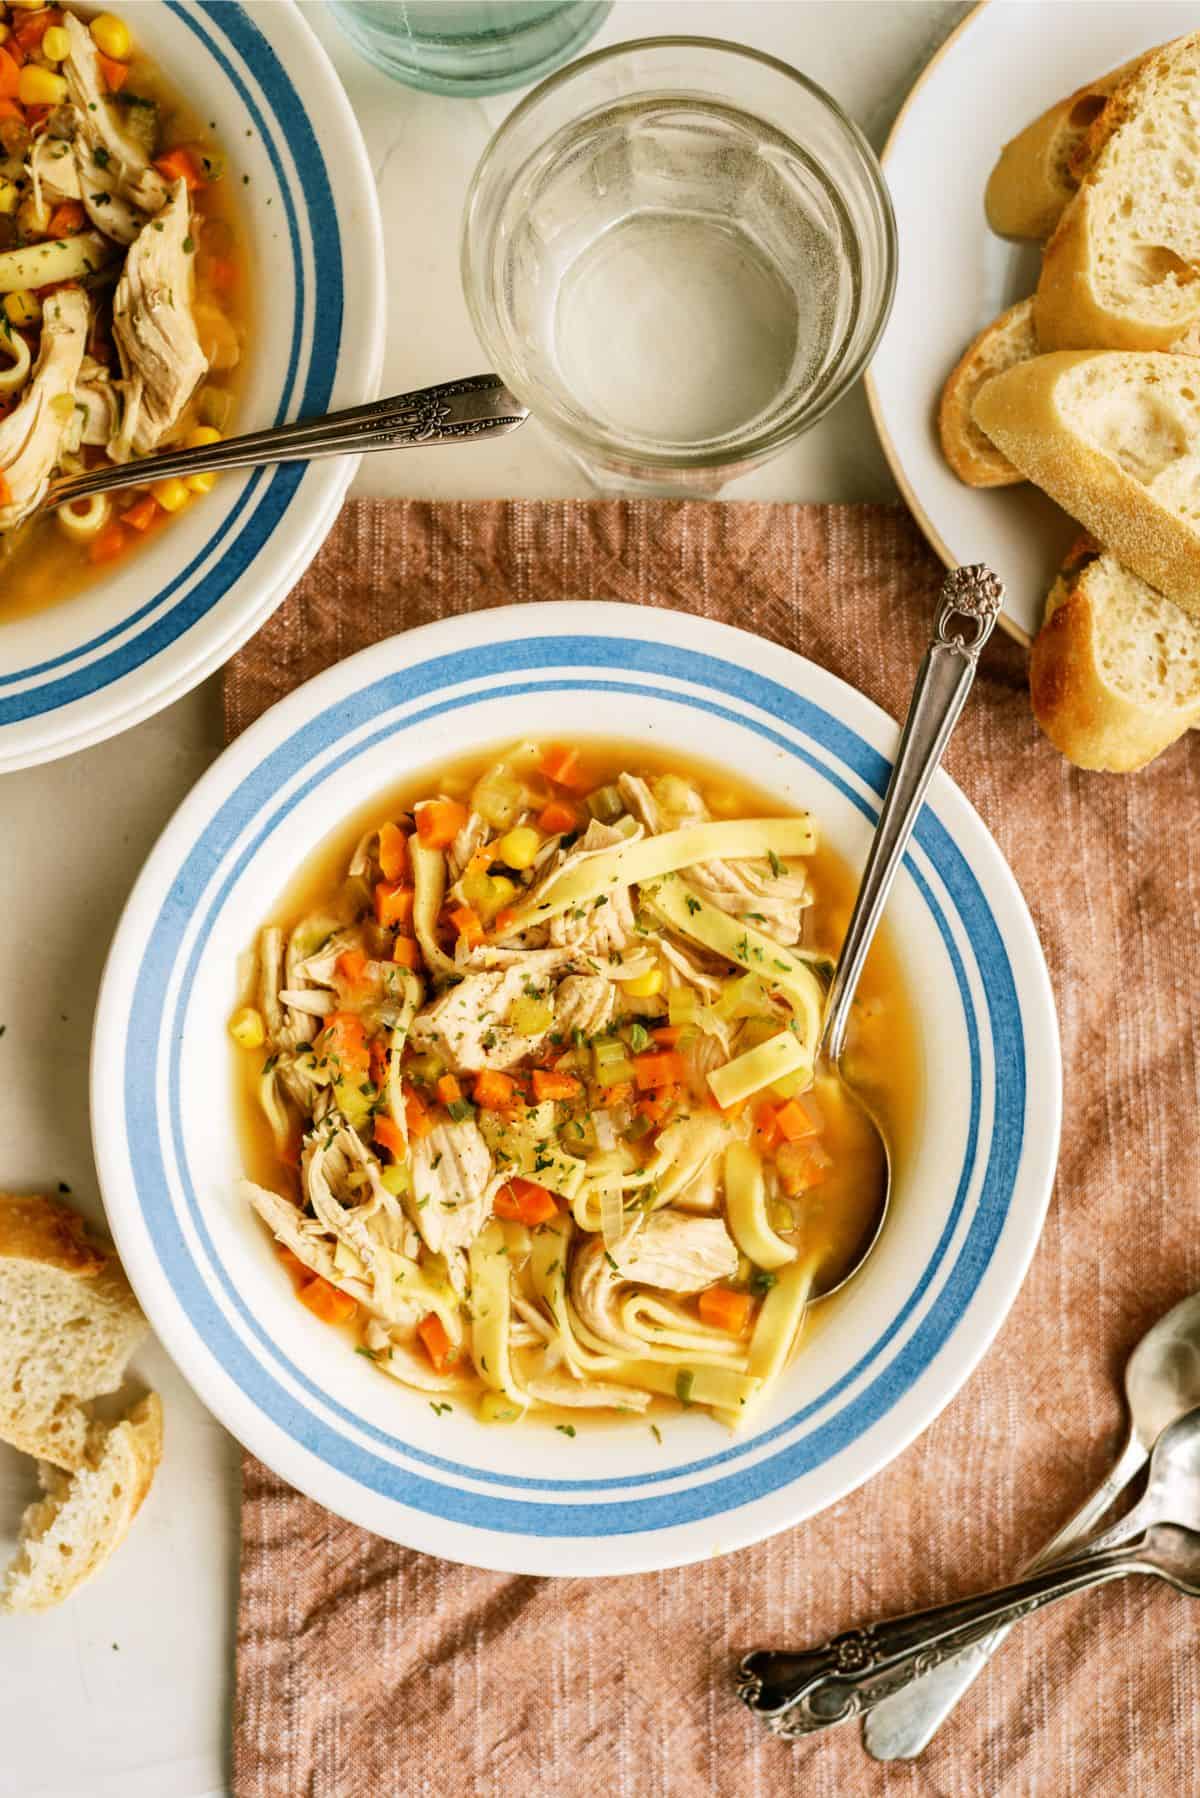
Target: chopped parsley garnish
x,y
777,867
565,1429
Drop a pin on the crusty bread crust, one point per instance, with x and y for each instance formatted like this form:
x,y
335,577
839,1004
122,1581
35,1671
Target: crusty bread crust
x,y
972,456
1071,309
1020,411
35,1227
1038,170
1092,724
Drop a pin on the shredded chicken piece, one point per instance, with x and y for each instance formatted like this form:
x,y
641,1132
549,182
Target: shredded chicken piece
x,y
469,1025
587,1395
286,1028
471,837
366,1216
154,330
116,182
667,1250
452,1185
603,927
31,436
311,1245
584,1002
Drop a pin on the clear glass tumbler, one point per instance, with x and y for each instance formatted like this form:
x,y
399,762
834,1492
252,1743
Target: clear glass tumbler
x,y
469,46
679,253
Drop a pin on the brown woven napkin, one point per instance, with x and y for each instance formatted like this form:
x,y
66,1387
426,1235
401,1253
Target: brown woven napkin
x,y
367,1671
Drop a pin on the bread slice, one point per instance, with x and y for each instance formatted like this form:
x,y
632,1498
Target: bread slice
x,y
1115,671
1039,170
1122,270
973,457
68,1324
68,1535
1114,438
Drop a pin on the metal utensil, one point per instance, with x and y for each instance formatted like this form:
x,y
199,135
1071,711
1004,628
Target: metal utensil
x,y
968,604
451,412
1162,1383
798,1694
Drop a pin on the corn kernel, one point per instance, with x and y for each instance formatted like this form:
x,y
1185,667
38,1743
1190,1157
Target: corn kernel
x,y
10,196
197,439
504,891
56,45
37,86
246,1028
646,985
23,308
112,36
171,494
518,848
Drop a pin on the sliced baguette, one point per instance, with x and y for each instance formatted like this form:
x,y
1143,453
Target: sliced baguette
x,y
67,1536
1038,171
1115,671
68,1324
1122,270
1110,436
1008,340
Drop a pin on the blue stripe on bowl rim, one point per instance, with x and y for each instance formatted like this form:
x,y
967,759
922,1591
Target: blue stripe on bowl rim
x,y
268,492
149,1021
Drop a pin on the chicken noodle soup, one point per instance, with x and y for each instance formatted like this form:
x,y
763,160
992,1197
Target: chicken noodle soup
x,y
531,1061
121,289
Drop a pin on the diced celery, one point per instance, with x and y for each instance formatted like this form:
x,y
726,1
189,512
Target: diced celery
x,y
606,804
683,1005
397,1179
780,1215
497,1407
352,1102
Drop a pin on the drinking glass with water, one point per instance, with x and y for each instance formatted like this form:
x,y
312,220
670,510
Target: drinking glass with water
x,y
469,46
678,253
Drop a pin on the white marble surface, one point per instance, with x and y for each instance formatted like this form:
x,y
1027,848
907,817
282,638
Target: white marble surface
x,y
125,1692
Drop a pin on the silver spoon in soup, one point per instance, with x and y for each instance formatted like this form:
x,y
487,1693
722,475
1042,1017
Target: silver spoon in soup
x,y
968,605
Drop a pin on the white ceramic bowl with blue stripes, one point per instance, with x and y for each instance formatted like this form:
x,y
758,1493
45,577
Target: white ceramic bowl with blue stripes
x,y
886,1356
156,624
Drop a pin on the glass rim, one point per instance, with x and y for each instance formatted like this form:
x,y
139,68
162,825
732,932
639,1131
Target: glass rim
x,y
739,449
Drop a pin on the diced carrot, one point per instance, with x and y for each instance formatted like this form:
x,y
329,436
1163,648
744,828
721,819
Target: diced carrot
x,y
558,819
142,513
439,822
416,1116
494,1091
68,217
292,1262
547,1085
326,1302
667,1035
562,766
352,966
406,952
524,1202
724,1309
393,904
12,109
466,923
766,1126
221,273
800,1165
504,920
795,1121
344,1040
620,1094
108,545
437,1344
10,76
651,1071
390,1136
180,164
658,1105
449,1091
393,853
379,1061
115,73
292,1150
5,489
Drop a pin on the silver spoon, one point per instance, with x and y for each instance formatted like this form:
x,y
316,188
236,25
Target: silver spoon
x,y
797,1694
452,412
968,605
1162,1383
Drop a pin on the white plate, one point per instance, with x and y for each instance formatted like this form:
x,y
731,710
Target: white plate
x,y
887,1356
83,670
1004,65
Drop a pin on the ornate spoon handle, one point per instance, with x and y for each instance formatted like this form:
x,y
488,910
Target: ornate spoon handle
x,y
969,602
452,412
797,1694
